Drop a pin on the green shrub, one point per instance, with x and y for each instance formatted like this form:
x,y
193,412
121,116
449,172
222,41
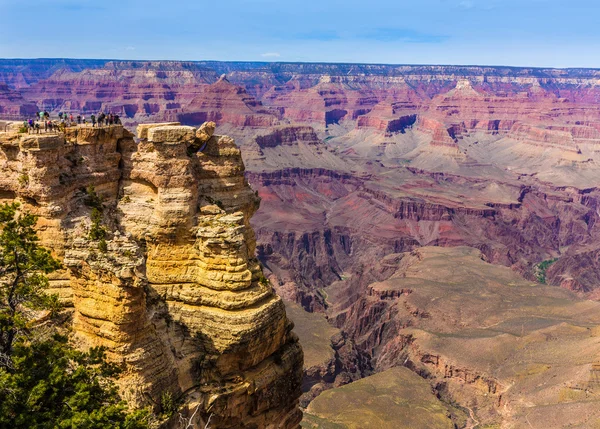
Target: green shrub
x,y
23,179
263,280
168,405
92,199
541,268
102,246
97,231
52,385
44,381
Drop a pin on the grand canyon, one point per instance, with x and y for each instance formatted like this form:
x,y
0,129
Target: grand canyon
x,y
433,233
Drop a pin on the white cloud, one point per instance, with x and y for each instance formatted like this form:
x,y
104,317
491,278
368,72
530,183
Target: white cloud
x,y
130,48
270,55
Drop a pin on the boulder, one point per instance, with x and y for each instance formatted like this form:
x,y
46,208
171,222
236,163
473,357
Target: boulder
x,y
142,129
206,131
172,133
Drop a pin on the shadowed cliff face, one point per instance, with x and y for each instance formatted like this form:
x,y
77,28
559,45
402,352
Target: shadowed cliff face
x,y
174,290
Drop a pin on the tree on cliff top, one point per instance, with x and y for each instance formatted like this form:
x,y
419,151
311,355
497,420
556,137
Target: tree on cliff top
x,y
45,382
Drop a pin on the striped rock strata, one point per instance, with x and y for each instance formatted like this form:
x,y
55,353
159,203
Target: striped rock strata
x,y
175,291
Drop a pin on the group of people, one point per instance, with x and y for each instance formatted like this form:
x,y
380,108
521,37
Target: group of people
x,y
103,119
100,120
42,120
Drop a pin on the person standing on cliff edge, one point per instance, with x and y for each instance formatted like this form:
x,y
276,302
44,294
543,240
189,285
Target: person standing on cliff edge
x,y
93,118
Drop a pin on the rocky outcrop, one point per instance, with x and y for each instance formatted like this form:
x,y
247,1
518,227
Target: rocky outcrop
x,y
382,98
287,135
289,146
543,137
168,281
385,118
223,102
442,135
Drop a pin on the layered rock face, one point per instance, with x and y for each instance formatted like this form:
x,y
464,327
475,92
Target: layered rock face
x,y
12,104
359,166
173,290
227,103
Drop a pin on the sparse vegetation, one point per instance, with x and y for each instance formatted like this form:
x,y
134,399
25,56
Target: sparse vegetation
x,y
23,265
168,405
92,199
541,268
23,179
97,230
44,381
397,395
102,245
263,280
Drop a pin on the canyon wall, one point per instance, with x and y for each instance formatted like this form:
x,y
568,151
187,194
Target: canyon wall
x,y
360,168
160,267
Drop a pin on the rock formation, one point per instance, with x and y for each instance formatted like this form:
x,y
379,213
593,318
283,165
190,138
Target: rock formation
x,y
169,281
357,166
12,104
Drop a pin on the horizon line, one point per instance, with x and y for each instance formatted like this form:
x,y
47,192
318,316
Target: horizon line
x,y
340,63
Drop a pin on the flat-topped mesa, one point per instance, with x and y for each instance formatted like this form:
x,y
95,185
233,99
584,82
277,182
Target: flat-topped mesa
x,y
538,136
287,135
173,288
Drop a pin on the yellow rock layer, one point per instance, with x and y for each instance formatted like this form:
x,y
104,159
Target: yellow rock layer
x,y
176,293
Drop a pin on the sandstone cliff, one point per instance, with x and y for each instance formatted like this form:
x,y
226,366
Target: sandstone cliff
x,y
160,266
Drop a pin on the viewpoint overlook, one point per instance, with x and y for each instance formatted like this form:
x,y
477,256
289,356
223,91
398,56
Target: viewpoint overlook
x,y
324,245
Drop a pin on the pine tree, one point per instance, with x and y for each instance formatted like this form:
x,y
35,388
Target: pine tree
x,y
44,382
23,268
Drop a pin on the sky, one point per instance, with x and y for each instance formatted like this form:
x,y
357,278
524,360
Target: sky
x,y
542,33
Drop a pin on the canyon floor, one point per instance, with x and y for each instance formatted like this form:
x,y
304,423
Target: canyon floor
x,y
495,348
433,230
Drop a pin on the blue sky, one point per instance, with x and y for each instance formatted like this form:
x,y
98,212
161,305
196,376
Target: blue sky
x,y
547,33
